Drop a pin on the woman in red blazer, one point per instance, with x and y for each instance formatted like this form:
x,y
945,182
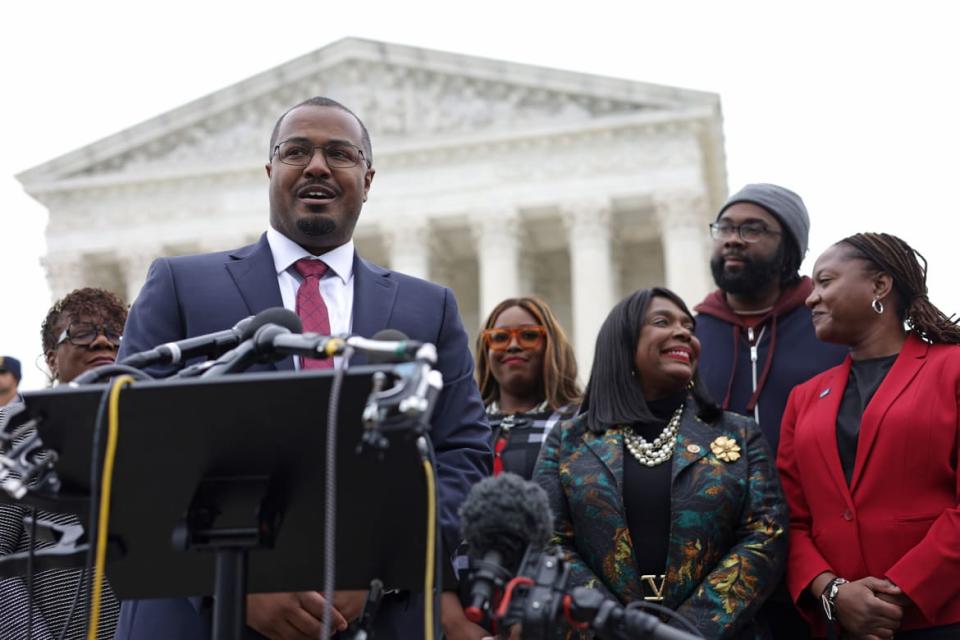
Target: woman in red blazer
x,y
869,452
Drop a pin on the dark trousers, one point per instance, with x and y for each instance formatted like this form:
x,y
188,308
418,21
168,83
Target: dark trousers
x,y
945,632
782,618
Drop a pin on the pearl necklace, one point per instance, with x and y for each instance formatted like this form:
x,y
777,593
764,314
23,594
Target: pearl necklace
x,y
661,449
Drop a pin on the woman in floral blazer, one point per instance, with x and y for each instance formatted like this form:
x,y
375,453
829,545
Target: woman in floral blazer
x,y
657,494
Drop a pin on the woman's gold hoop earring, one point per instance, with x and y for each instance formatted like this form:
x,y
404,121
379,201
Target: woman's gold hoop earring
x,y
877,306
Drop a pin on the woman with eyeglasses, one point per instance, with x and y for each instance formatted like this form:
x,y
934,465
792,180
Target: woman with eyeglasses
x,y
81,331
658,495
870,452
527,375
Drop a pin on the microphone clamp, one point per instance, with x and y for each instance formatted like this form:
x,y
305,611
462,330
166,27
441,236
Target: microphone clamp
x,y
408,404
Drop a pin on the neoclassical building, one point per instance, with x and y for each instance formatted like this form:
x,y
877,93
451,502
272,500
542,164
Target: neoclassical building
x,y
493,178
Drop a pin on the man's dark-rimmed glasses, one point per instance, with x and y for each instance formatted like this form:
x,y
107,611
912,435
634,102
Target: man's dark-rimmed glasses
x,y
748,231
338,155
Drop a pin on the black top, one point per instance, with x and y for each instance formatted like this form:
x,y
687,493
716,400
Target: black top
x,y
646,496
865,378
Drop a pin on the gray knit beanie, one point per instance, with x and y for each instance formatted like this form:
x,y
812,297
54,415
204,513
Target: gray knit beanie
x,y
782,203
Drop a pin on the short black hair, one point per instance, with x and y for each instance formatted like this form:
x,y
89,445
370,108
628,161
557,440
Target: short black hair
x,y
87,301
614,397
320,101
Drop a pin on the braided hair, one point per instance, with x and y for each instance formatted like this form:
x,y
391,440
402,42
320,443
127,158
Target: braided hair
x,y
889,254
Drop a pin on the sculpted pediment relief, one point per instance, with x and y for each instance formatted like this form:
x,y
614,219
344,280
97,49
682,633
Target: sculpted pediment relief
x,y
397,102
407,102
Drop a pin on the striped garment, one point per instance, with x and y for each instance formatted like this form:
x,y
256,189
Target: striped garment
x,y
53,590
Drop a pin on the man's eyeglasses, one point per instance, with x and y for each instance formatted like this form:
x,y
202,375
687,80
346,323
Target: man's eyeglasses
x,y
528,336
748,231
338,155
83,334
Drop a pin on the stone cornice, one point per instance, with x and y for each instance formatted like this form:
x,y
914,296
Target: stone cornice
x,y
417,152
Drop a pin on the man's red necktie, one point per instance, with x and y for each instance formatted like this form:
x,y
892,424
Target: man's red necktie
x,y
310,306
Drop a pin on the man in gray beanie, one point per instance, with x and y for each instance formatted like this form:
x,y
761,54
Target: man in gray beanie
x,y
756,334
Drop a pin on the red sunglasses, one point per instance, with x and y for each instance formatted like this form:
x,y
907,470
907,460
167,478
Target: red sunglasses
x,y
528,336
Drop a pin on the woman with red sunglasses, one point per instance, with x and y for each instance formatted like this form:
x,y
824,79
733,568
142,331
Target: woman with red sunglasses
x,y
527,375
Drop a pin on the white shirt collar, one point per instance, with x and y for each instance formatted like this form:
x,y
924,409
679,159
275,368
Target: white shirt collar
x,y
286,252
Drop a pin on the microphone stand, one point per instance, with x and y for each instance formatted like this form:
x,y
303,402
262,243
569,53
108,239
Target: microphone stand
x,y
406,407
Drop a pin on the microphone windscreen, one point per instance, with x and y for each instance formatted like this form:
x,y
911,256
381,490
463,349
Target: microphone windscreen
x,y
243,328
274,315
505,513
387,335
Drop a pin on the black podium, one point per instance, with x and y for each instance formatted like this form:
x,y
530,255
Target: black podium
x,y
238,462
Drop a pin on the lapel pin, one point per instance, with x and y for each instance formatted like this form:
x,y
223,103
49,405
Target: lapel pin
x,y
725,449
825,392
693,448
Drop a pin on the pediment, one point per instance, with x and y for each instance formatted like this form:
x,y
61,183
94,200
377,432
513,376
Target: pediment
x,y
403,94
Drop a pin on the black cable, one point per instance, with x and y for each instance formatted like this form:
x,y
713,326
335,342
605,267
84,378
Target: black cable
x,y
96,464
31,540
73,605
95,374
670,613
330,508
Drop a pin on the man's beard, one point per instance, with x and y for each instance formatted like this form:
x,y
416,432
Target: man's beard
x,y
316,226
755,274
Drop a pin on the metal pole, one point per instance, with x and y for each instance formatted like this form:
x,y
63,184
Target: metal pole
x,y
229,596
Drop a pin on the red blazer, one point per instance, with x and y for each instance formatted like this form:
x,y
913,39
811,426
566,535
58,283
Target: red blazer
x,y
900,516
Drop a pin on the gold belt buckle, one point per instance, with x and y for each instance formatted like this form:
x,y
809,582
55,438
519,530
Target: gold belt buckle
x,y
655,584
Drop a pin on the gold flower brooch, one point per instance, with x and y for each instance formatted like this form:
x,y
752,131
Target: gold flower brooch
x,y
726,449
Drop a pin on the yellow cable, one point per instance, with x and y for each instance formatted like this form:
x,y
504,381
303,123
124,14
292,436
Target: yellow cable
x,y
429,573
106,483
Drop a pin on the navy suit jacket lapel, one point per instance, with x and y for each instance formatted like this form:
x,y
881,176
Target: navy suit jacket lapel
x,y
255,275
374,293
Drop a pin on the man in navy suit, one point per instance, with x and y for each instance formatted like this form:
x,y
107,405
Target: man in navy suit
x,y
320,170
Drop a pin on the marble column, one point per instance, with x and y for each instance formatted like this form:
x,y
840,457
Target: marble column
x,y
592,274
134,264
64,273
408,245
496,235
686,250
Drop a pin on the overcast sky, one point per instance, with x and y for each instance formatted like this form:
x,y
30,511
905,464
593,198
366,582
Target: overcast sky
x,y
854,105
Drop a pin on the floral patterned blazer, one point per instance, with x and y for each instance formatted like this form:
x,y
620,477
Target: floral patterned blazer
x,y
728,526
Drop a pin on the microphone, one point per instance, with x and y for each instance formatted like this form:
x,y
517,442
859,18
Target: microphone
x,y
385,357
500,518
385,347
265,326
309,345
211,344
